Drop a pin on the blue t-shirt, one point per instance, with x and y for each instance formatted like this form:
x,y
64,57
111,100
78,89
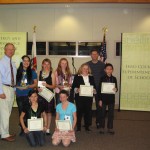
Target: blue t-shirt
x,y
26,91
71,108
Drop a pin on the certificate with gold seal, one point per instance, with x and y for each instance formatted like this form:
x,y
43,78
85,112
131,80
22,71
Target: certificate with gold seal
x,y
86,90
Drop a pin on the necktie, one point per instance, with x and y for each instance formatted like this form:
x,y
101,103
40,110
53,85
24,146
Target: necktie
x,y
12,74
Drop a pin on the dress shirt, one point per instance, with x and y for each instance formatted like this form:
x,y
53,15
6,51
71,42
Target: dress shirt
x,y
5,72
86,80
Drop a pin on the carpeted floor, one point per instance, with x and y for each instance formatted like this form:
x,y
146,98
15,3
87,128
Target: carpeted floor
x,y
132,132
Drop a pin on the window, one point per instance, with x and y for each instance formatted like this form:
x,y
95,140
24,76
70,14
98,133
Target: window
x,y
41,48
84,48
62,48
118,48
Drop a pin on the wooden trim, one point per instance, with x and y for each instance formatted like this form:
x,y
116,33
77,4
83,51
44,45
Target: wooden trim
x,y
70,1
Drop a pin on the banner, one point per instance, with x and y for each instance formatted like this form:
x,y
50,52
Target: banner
x,y
19,39
135,72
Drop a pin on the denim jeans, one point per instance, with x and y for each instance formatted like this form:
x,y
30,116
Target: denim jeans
x,y
35,138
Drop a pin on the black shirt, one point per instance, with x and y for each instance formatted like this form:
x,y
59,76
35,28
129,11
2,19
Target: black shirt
x,y
107,98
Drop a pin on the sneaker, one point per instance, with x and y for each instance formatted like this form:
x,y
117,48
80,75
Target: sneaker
x,y
48,132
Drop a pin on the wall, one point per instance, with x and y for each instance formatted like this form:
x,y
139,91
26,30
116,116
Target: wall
x,y
77,22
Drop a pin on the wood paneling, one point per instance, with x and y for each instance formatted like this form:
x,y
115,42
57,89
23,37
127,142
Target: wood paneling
x,y
70,1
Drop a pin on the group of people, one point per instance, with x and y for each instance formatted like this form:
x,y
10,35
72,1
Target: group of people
x,y
24,83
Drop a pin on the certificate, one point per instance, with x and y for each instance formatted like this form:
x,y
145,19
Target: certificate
x,y
35,124
64,125
40,84
47,94
108,88
86,90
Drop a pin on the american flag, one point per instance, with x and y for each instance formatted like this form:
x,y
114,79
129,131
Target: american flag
x,y
103,50
33,60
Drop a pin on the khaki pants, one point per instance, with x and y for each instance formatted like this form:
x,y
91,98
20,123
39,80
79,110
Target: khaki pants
x,y
5,110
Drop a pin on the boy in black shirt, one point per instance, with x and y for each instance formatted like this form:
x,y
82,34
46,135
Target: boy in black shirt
x,y
107,99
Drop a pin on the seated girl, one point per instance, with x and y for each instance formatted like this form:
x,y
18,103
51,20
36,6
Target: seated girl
x,y
65,111
33,111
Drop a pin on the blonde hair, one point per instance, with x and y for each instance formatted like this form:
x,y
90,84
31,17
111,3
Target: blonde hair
x,y
49,61
7,44
80,69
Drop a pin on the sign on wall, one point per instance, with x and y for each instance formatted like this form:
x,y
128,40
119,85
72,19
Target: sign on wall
x,y
135,72
19,39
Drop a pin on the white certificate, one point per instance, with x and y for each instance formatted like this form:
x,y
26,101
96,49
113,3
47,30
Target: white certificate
x,y
86,90
40,84
35,124
47,94
64,125
108,88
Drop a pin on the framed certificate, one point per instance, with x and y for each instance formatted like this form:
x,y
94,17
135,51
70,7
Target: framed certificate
x,y
86,90
47,94
35,124
64,125
108,88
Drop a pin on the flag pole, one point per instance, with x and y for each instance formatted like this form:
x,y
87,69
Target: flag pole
x,y
34,61
103,47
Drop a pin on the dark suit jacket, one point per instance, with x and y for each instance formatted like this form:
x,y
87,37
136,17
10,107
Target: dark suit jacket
x,y
78,80
107,98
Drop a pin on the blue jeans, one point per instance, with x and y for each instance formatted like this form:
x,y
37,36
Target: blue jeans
x,y
35,138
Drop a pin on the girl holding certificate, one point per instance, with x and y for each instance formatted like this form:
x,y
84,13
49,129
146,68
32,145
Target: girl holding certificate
x,y
47,76
84,102
63,78
34,111
26,81
107,98
65,111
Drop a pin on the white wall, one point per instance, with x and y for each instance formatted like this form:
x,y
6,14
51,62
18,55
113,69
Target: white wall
x,y
78,22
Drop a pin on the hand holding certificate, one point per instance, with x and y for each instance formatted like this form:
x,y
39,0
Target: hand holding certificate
x,y
40,84
47,94
108,88
64,125
35,124
86,90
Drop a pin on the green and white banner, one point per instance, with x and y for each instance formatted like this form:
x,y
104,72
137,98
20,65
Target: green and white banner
x,y
19,39
135,72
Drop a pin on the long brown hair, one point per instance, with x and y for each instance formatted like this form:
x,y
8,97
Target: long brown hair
x,y
59,70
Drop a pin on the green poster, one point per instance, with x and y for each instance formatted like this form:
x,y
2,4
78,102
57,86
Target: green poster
x,y
135,72
19,39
